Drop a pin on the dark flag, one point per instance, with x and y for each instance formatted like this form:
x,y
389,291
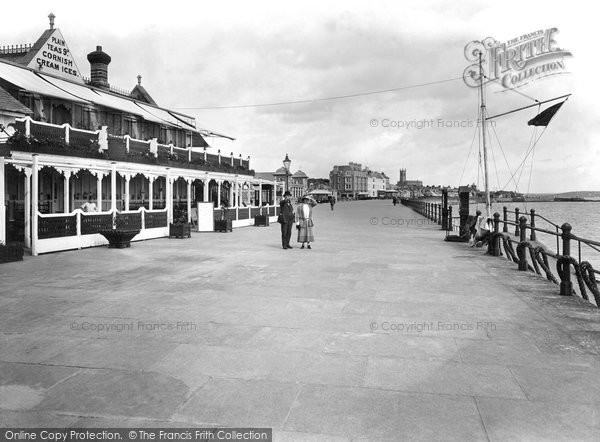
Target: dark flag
x,y
544,117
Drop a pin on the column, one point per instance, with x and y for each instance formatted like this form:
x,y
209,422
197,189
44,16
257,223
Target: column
x,y
34,204
219,193
205,182
260,193
27,206
2,204
67,191
113,187
99,176
233,192
126,195
169,197
150,192
189,199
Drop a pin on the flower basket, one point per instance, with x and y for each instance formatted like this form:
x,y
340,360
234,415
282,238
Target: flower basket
x,y
11,253
180,230
119,238
261,220
223,225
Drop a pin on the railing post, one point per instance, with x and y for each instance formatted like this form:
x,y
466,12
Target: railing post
x,y
67,127
444,209
505,219
566,286
496,238
27,126
523,238
532,225
517,230
523,229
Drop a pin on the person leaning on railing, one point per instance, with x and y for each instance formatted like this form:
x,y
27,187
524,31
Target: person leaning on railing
x,y
89,206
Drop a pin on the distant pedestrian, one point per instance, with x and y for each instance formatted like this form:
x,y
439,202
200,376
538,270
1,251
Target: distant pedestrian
x,y
332,201
305,222
286,219
395,200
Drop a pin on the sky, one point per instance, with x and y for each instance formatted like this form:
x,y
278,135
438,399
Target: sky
x,y
195,55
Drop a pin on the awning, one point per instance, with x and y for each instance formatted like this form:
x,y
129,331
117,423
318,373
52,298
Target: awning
x,y
29,81
165,116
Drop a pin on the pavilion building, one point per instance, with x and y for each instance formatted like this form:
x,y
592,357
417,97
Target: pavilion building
x,y
67,140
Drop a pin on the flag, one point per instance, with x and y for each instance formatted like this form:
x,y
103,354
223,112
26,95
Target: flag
x,y
544,117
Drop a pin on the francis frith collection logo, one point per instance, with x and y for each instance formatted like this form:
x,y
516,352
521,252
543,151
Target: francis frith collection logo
x,y
516,62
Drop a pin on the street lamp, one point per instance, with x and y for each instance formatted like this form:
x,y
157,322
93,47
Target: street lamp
x,y
286,163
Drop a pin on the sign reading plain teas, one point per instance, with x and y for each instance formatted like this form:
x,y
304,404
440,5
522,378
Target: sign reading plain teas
x,y
517,61
54,57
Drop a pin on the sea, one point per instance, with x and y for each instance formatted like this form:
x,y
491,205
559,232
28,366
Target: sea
x,y
584,218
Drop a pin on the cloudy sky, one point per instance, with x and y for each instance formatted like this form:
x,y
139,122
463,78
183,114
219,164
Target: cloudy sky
x,y
195,55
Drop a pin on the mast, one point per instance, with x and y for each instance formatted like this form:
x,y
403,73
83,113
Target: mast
x,y
483,135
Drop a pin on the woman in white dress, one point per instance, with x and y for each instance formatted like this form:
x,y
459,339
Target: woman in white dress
x,y
304,223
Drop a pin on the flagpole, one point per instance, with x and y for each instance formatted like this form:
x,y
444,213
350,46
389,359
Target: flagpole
x,y
483,134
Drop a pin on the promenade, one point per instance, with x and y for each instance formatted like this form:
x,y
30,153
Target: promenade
x,y
381,332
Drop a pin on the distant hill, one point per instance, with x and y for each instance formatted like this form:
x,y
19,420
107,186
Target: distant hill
x,y
582,194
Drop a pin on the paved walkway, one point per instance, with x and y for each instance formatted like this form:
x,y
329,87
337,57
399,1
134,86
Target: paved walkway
x,y
381,332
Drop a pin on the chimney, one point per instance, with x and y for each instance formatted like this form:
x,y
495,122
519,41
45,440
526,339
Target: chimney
x,y
99,62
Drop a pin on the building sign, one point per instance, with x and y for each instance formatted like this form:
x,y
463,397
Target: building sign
x,y
516,62
54,57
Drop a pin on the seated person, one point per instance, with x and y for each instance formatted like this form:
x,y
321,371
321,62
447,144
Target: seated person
x,y
484,231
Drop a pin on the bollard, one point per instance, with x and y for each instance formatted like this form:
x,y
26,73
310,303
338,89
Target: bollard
x,y
523,238
496,238
566,286
505,219
532,224
517,231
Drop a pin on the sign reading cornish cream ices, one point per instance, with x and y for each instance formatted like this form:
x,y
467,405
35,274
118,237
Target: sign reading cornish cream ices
x,y
517,61
54,57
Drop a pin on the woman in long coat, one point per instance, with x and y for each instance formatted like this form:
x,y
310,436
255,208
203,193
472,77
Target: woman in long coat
x,y
304,223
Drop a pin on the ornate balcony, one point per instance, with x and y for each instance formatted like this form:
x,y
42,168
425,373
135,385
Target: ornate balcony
x,y
38,137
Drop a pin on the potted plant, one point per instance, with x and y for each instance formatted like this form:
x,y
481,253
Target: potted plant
x,y
11,252
223,224
261,220
121,234
180,228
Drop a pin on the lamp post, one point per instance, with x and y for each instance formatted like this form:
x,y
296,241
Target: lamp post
x,y
286,163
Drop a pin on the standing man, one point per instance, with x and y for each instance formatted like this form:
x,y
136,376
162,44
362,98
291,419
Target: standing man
x,y
287,219
332,201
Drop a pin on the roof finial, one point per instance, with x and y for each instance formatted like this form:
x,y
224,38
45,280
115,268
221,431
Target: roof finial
x,y
139,80
51,17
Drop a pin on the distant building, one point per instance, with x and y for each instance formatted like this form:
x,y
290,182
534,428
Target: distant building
x,y
403,182
297,182
376,183
352,181
349,181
